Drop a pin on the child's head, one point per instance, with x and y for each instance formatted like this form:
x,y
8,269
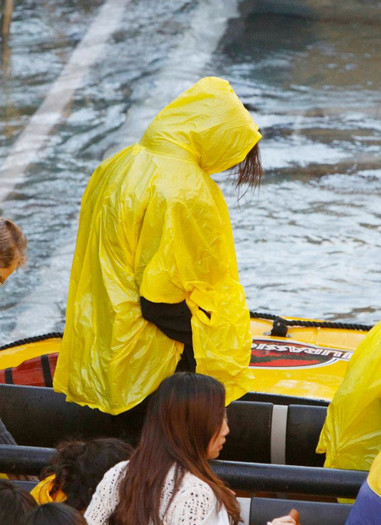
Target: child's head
x,y
55,514
79,466
15,503
13,248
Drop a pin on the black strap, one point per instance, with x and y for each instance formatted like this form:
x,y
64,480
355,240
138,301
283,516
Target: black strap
x,y
9,376
45,364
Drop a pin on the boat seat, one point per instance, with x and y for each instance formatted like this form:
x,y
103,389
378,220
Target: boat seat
x,y
263,510
260,432
270,433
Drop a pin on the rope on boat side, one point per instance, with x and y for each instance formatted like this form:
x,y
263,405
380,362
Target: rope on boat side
x,y
322,324
34,339
279,323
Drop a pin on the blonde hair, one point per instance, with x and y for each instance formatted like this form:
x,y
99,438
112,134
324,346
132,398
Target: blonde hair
x,y
13,244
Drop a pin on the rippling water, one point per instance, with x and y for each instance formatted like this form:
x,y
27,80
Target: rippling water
x,y
308,242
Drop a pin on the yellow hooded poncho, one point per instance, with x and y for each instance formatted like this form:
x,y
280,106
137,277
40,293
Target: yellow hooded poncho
x,y
351,435
154,224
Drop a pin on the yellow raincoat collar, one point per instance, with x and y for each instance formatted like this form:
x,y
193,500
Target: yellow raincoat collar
x,y
207,123
42,492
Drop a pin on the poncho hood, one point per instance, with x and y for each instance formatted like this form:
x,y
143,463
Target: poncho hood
x,y
209,122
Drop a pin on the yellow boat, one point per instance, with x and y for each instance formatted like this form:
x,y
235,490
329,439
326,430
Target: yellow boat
x,y
302,358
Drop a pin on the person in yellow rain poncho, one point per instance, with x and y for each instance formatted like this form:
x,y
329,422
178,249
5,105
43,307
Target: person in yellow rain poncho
x,y
154,266
351,435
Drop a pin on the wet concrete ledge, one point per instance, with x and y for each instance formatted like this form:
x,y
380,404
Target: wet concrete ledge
x,y
363,11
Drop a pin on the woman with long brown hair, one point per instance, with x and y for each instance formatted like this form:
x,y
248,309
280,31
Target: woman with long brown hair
x,y
168,480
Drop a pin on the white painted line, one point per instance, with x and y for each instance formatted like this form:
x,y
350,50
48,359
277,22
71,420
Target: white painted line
x,y
278,434
28,148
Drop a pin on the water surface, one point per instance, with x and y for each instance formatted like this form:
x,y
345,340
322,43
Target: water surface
x,y
308,242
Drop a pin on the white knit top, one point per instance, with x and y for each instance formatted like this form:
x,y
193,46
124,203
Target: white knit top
x,y
193,504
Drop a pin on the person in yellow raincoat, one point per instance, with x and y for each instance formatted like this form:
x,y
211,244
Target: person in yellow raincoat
x,y
155,235
351,435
